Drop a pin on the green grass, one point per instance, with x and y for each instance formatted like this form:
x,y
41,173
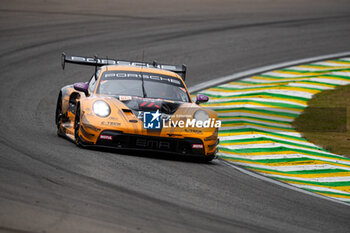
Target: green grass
x,y
326,120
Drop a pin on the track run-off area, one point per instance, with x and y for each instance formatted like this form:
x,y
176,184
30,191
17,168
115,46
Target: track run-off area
x,y
257,134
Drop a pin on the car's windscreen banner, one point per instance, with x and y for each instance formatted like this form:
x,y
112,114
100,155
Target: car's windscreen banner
x,y
130,75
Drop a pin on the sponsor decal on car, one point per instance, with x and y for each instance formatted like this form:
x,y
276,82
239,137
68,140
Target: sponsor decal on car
x,y
197,146
194,131
110,123
106,137
145,76
124,98
152,144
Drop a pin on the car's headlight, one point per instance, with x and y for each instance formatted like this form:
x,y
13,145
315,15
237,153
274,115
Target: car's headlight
x,y
101,108
201,115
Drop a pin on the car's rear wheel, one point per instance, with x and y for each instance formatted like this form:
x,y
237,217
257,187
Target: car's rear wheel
x,y
77,126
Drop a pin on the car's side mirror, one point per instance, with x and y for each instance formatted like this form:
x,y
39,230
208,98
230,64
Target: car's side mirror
x,y
83,87
201,99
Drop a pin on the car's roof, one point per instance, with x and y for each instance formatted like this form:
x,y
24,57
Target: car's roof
x,y
139,69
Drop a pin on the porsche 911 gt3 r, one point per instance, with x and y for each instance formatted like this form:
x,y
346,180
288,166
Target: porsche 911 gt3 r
x,y
136,105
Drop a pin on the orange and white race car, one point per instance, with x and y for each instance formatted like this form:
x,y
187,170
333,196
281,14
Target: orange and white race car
x,y
136,105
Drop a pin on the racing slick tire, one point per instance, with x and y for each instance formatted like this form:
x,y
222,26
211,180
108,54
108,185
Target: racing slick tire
x,y
77,126
208,158
59,113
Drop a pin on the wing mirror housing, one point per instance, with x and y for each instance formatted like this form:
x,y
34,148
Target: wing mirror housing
x,y
83,87
201,99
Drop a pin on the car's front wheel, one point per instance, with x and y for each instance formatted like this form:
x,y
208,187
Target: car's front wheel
x,y
209,158
77,126
59,113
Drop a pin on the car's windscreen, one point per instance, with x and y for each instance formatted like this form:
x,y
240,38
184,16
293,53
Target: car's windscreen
x,y
130,83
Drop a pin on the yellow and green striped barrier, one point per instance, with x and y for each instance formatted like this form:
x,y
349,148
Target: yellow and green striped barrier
x,y
256,133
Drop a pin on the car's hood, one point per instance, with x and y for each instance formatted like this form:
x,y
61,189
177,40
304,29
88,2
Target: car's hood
x,y
148,105
167,108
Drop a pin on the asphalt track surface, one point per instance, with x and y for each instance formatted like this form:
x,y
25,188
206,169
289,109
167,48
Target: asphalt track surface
x,y
47,184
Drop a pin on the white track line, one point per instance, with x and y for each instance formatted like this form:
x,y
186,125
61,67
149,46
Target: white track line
x,y
243,74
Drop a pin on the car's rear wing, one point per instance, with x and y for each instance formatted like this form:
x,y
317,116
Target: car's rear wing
x,y
95,61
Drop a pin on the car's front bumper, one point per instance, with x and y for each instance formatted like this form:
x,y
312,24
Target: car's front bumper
x,y
120,140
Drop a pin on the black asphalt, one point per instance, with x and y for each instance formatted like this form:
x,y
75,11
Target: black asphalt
x,y
47,184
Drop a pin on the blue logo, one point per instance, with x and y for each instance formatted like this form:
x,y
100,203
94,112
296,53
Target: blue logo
x,y
151,120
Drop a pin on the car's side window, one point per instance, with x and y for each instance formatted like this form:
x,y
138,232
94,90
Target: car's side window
x,y
92,83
